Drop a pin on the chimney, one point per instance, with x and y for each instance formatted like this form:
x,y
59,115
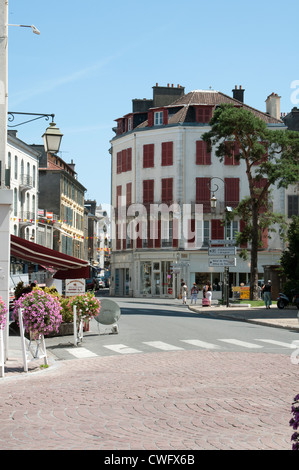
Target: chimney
x,y
273,105
238,93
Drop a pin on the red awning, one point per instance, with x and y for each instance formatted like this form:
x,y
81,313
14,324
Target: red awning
x,y
67,266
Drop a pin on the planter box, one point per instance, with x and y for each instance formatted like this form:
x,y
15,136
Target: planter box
x,y
65,329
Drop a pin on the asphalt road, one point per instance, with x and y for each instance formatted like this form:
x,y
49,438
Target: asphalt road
x,y
155,325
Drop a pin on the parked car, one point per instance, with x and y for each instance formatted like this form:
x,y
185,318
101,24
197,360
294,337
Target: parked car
x,y
100,283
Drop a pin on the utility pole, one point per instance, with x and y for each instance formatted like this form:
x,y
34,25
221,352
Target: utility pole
x,y
6,195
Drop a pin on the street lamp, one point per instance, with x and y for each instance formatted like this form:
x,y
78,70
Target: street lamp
x,y
34,29
52,138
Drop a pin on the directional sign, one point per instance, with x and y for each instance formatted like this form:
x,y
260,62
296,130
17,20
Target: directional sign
x,y
218,262
222,242
222,250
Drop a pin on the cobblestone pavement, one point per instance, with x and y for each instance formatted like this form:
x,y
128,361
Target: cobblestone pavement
x,y
180,400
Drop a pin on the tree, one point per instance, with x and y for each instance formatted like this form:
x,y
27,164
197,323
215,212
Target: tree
x,y
290,257
271,158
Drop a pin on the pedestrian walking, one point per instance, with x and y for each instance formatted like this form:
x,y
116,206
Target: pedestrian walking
x,y
207,292
267,294
184,291
194,292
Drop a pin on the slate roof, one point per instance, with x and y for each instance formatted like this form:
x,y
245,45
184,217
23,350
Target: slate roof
x,y
180,110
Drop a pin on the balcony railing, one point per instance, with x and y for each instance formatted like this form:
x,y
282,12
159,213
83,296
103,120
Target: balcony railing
x,y
26,218
25,182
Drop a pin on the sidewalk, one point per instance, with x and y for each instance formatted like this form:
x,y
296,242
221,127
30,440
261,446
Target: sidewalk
x,y
286,318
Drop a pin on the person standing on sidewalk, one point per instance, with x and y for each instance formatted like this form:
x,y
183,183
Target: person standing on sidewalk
x,y
194,292
267,294
184,293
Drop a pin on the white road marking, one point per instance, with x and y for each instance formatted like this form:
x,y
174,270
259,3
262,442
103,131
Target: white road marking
x,y
241,343
81,353
162,345
201,344
278,343
121,349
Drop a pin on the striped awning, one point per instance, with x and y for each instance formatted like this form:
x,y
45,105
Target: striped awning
x,y
67,267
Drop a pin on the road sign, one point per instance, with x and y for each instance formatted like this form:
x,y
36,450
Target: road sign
x,y
223,250
222,242
218,262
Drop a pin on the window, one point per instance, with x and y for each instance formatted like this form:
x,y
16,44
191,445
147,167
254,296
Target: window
x,y
15,202
129,194
124,160
129,124
118,162
167,154
148,191
203,193
16,167
203,157
158,118
293,206
34,176
231,229
167,190
204,114
148,156
232,154
206,232
217,229
232,192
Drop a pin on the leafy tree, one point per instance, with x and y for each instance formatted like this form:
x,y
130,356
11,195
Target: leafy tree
x,y
290,257
271,158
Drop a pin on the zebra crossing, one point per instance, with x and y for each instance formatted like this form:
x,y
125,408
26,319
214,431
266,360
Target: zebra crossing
x,y
182,344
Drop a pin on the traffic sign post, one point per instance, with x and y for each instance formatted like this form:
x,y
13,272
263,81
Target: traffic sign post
x,y
220,262
223,250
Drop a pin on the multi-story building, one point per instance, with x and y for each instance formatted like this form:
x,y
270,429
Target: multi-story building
x,y
21,175
61,198
159,157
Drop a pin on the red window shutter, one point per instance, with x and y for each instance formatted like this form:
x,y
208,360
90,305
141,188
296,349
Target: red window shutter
x,y
175,233
129,194
129,159
148,191
148,156
204,113
232,152
259,185
167,154
191,233
217,229
232,192
203,157
150,118
203,194
242,227
167,190
118,162
124,160
165,117
118,195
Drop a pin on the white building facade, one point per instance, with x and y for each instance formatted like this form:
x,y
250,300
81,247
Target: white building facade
x,y
22,177
159,157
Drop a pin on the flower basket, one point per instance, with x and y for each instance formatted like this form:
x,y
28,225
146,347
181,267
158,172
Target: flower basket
x,y
41,312
3,313
294,422
88,306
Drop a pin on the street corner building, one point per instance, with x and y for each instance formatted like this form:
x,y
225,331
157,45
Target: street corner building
x,y
162,171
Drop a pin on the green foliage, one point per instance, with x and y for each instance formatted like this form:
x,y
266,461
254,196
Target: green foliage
x,y
290,257
268,154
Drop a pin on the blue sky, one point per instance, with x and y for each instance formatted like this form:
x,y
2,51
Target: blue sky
x,y
93,57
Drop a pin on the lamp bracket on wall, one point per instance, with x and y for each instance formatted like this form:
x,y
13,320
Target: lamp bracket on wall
x,y
11,117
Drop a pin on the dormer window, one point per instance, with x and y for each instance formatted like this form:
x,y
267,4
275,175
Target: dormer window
x,y
158,116
129,124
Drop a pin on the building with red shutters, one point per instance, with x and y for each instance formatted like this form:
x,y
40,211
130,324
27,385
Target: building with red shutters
x,y
162,180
